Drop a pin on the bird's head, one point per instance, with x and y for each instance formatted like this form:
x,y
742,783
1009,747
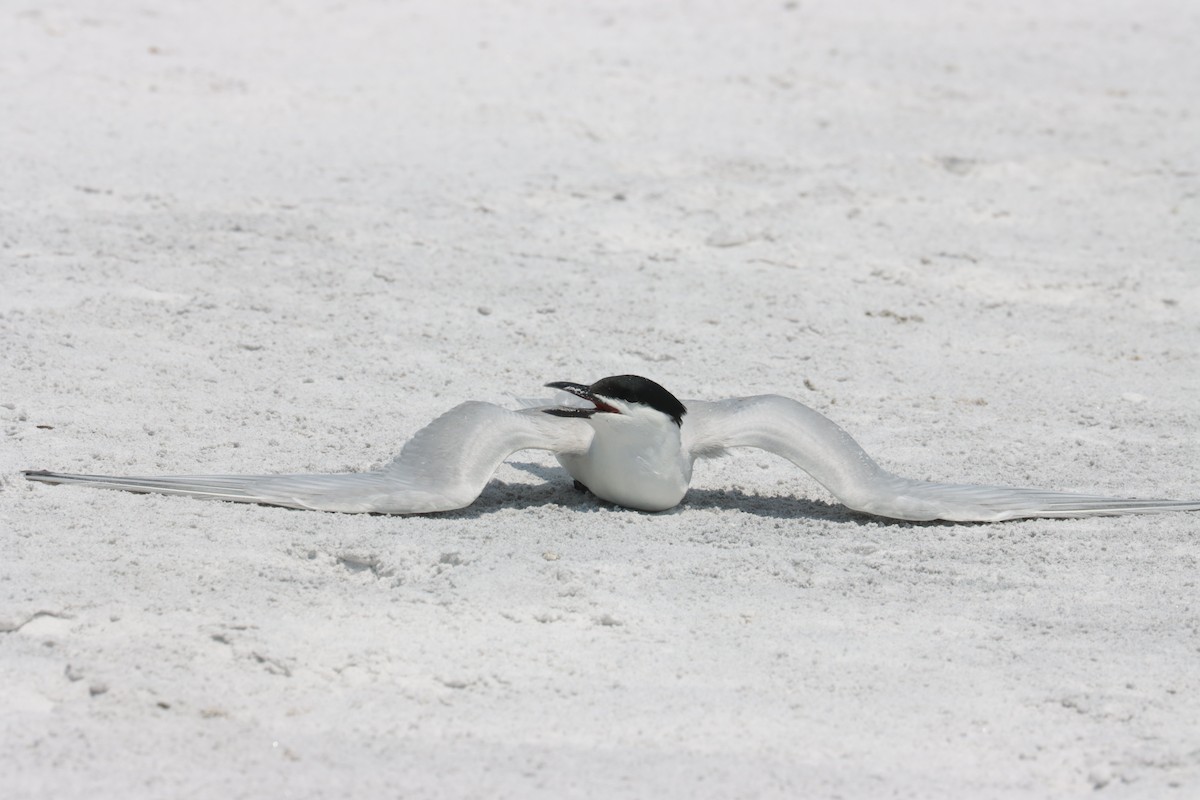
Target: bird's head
x,y
628,395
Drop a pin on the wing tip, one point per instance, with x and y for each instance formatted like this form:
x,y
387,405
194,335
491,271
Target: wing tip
x,y
40,475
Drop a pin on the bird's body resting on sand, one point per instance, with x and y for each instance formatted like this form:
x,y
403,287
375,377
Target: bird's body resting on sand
x,y
631,443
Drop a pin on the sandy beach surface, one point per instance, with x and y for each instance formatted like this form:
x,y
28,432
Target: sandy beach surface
x,y
283,236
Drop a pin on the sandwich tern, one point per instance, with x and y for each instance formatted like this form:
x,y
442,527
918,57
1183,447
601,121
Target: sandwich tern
x,y
630,442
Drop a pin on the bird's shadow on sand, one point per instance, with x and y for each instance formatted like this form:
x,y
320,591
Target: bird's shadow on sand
x,y
558,490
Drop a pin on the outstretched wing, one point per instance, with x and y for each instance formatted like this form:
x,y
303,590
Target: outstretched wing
x,y
443,467
815,444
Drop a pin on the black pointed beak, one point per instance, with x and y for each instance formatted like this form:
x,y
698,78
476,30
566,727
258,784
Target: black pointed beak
x,y
581,391
577,389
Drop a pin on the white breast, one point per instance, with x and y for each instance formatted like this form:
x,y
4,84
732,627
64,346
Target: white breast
x,y
635,461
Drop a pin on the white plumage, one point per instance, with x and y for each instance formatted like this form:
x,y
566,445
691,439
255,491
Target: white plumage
x,y
634,445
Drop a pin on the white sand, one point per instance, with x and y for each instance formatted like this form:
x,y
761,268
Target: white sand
x,y
284,239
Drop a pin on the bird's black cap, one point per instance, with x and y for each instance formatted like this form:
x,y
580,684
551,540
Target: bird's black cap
x,y
630,389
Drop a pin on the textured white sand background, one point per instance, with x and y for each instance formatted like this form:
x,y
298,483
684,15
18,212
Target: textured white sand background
x,y
284,237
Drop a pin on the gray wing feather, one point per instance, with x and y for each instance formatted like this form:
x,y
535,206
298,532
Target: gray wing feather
x,y
443,467
815,444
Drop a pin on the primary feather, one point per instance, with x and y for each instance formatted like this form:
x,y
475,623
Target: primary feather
x,y
443,467
814,443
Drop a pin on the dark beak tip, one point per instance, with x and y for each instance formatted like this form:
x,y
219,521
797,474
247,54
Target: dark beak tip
x,y
577,389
